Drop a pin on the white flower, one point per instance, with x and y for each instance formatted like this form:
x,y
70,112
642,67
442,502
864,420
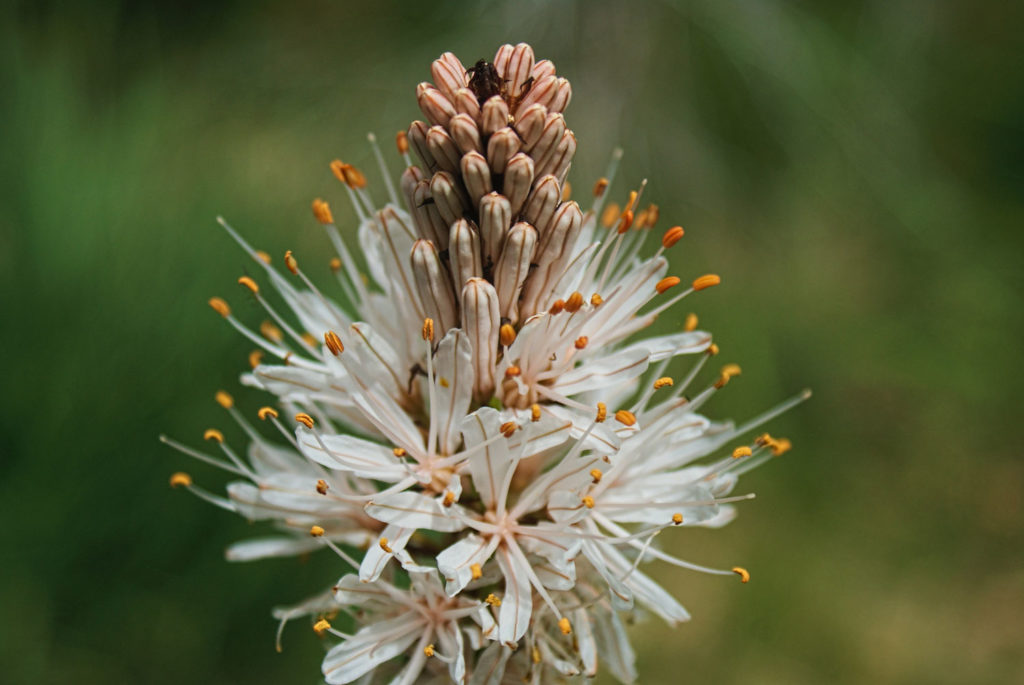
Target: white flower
x,y
452,416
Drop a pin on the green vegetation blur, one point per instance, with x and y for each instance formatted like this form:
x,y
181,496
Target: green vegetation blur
x,y
852,170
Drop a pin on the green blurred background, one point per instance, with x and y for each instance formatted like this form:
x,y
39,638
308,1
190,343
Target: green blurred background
x,y
854,172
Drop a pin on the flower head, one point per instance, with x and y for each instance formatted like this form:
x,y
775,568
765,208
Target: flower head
x,y
472,427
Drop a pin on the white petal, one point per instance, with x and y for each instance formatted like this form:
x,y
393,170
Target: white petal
x,y
265,548
489,463
665,346
490,667
415,510
376,558
348,453
365,651
517,602
602,372
454,380
456,561
351,591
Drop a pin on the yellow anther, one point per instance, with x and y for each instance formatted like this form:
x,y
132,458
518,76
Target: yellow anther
x,y
402,142
743,451
600,186
321,626
677,518
321,486
640,221
610,215
443,382
266,412
287,358
335,264
566,191
663,382
308,338
383,542
581,342
602,412
712,349
727,372
476,571
535,412
625,221
428,330
588,501
781,446
596,300
653,214
289,261
564,625
213,434
596,475
666,283
316,531
672,236
399,452
250,284
557,307
764,439
449,498
225,400
255,357
508,428
333,343
429,651
574,303
348,174
631,203
706,281
535,655
180,480
220,306
691,322
625,417
493,600
322,212
743,573
512,371
271,332
305,419
507,334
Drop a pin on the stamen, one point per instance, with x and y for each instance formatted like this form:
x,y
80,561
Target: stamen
x,y
564,625
507,334
672,236
255,358
677,518
250,284
610,215
428,329
706,281
180,480
305,419
402,142
321,486
691,322
581,342
535,412
213,434
742,573
666,283
596,300
316,531
727,372
224,399
333,343
602,412
264,412
596,475
321,627
220,306
574,303
625,417
322,212
493,600
600,187
663,382
383,542
743,451
476,572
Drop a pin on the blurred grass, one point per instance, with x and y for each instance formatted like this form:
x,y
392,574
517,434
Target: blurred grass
x,y
853,171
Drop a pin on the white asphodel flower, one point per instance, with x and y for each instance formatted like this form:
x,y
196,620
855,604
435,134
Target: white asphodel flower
x,y
477,435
